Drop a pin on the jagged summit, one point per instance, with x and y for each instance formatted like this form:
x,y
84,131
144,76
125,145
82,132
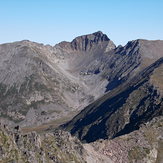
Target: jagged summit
x,y
96,37
98,32
88,42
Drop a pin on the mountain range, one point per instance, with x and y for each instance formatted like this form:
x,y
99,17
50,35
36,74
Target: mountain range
x,y
99,92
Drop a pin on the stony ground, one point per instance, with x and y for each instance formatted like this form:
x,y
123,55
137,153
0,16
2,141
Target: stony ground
x,y
141,146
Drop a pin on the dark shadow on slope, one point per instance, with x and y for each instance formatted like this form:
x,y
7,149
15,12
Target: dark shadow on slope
x,y
115,83
136,118
102,112
92,123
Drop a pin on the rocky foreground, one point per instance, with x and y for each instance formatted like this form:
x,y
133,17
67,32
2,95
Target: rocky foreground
x,y
144,145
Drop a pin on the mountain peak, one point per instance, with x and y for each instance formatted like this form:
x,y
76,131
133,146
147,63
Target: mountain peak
x,y
89,42
100,34
86,42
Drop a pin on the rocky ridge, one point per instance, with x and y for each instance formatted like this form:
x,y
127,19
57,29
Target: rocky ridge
x,y
143,145
55,147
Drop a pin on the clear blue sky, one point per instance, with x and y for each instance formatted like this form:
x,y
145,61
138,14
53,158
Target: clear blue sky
x,y
52,21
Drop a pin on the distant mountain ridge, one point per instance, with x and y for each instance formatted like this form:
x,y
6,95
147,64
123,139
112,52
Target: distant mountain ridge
x,y
40,83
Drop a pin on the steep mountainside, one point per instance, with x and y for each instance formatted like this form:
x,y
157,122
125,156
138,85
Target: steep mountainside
x,y
124,109
35,88
40,83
